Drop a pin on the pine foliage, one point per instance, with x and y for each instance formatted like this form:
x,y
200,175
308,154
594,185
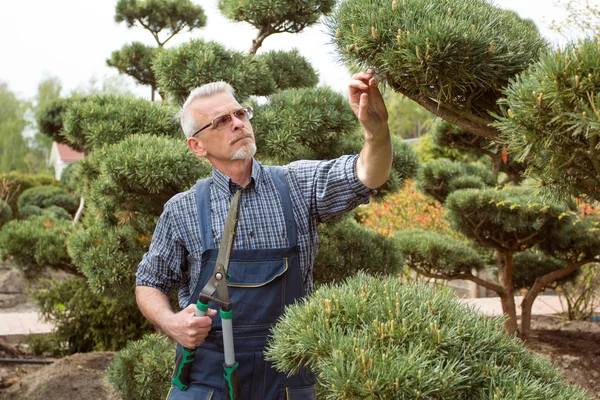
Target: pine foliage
x,y
304,124
36,243
170,16
505,219
141,370
107,119
6,213
375,338
289,69
140,173
551,119
108,255
346,247
179,70
276,16
460,52
46,196
438,178
135,60
431,252
529,265
85,321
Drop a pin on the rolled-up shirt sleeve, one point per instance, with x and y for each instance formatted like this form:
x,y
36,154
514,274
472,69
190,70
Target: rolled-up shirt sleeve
x,y
330,187
163,265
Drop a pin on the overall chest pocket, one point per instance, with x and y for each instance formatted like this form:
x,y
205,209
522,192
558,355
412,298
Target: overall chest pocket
x,y
256,290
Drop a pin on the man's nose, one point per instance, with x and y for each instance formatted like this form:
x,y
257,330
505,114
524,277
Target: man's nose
x,y
236,123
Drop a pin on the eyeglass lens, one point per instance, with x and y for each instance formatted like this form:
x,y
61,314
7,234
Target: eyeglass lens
x,y
224,120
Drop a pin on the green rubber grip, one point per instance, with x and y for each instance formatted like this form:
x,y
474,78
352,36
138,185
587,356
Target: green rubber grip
x,y
201,306
183,363
232,379
225,314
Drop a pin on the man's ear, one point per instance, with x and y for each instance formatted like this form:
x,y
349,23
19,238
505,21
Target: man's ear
x,y
196,146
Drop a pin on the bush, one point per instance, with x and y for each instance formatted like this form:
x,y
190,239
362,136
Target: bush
x,y
85,321
142,370
404,210
15,183
36,243
46,196
429,252
55,211
347,247
6,213
374,337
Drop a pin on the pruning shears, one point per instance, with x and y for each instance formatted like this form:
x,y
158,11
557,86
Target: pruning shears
x,y
217,283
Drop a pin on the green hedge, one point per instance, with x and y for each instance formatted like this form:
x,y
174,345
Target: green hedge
x,y
36,243
46,196
85,321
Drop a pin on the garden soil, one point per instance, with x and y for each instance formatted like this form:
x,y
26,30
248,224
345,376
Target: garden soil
x,y
574,347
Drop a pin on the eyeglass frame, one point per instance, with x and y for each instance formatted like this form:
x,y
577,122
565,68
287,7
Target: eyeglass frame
x,y
247,109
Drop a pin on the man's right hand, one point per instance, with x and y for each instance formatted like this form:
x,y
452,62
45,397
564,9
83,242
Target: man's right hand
x,y
187,329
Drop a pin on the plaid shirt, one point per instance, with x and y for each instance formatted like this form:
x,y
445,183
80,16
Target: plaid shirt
x,y
320,190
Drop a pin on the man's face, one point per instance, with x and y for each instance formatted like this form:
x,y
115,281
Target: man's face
x,y
233,141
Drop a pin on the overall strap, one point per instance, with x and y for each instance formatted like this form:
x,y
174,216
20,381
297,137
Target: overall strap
x,y
281,184
203,207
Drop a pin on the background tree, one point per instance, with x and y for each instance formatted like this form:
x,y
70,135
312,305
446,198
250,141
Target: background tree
x,y
270,17
163,19
13,146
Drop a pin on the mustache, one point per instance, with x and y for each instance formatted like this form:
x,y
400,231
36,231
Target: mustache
x,y
240,136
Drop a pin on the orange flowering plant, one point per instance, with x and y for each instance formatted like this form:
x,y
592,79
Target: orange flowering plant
x,y
405,209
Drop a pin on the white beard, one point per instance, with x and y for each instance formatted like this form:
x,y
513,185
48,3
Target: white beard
x,y
245,152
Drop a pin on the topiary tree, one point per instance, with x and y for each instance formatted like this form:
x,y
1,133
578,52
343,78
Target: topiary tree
x,y
43,197
270,17
445,55
164,18
135,60
37,243
373,337
550,119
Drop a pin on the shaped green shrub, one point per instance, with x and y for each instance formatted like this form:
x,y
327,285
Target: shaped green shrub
x,y
85,321
36,243
374,338
46,196
142,369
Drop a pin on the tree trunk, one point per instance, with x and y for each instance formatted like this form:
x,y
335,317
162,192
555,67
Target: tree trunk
x,y
538,286
153,97
504,265
256,43
496,163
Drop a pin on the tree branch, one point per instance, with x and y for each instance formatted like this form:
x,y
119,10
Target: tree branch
x,y
467,277
469,122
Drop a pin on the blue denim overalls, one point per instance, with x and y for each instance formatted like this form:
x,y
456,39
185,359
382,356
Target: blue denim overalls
x,y
261,283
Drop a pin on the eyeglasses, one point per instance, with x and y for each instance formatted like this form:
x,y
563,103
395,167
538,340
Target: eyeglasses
x,y
220,122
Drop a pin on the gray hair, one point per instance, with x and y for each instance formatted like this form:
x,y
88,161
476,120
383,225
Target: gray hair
x,y
188,123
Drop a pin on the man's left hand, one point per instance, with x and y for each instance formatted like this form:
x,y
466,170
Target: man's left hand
x,y
367,103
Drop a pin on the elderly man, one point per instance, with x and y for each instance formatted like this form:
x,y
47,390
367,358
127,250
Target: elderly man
x,y
276,238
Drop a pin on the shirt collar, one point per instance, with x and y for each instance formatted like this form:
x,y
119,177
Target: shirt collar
x,y
226,187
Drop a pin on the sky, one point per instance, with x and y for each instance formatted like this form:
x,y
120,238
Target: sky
x,y
71,40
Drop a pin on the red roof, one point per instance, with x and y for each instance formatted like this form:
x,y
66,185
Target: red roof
x,y
68,154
